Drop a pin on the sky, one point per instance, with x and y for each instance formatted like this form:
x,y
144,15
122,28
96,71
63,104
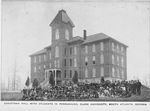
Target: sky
x,y
25,30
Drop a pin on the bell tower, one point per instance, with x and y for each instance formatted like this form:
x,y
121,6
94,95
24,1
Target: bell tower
x,y
62,28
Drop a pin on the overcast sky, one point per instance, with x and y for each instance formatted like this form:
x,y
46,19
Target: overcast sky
x,y
25,30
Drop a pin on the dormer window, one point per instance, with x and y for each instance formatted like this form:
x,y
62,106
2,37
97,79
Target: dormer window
x,y
57,34
67,34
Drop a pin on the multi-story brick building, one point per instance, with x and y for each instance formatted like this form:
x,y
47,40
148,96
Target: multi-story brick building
x,y
91,56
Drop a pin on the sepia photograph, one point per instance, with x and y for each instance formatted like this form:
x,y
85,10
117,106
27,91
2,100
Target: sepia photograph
x,y
75,51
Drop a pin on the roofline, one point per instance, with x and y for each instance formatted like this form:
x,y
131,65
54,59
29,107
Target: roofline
x,y
118,41
94,41
47,47
37,54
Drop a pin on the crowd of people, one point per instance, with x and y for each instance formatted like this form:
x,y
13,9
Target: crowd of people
x,y
83,91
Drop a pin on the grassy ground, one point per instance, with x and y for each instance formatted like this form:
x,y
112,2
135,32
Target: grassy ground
x,y
145,96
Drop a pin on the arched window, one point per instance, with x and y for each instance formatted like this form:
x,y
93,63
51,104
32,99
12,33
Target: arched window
x,y
35,69
44,57
75,50
56,51
67,34
117,60
55,63
86,73
118,74
93,48
101,46
57,34
94,72
113,47
50,56
101,58
58,64
122,73
94,59
102,71
86,49
113,59
50,65
122,62
113,71
75,62
86,60
39,67
117,48
44,67
34,59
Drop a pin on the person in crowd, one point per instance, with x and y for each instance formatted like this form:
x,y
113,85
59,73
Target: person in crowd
x,y
139,87
85,90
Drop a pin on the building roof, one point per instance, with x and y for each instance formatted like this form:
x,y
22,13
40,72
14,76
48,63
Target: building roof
x,y
95,37
76,38
48,47
62,17
39,52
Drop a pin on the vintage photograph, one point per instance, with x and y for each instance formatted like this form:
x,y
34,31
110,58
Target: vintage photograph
x,y
75,51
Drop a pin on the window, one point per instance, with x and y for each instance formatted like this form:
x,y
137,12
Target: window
x,y
44,57
122,50
58,64
102,71
55,64
75,62
56,51
101,58
94,72
117,60
117,72
46,74
86,60
86,49
113,59
57,34
93,48
34,59
122,73
35,69
50,65
65,51
93,59
113,47
39,67
39,58
44,67
70,50
101,46
117,48
122,62
65,74
50,55
67,34
113,71
86,73
75,50
65,62
70,73
70,62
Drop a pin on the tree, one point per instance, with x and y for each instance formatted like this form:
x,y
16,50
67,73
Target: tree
x,y
15,69
27,82
35,82
75,77
51,80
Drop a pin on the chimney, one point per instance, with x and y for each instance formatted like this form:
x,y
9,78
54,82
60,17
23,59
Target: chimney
x,y
84,34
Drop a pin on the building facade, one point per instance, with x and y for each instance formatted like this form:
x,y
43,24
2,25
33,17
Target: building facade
x,y
92,57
